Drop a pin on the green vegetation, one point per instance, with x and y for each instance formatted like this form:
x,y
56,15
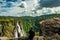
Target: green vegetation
x,y
26,23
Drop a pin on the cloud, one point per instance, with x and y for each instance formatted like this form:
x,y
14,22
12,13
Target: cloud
x,y
6,5
10,8
11,0
9,3
49,3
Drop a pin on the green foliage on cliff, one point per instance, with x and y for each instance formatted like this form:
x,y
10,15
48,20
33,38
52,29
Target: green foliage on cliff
x,y
26,23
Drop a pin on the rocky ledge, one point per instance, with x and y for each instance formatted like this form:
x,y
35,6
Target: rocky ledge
x,y
50,28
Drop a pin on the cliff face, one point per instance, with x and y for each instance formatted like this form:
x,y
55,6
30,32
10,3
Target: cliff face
x,y
51,28
9,28
6,28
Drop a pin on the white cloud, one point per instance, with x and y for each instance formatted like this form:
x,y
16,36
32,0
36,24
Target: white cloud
x,y
15,10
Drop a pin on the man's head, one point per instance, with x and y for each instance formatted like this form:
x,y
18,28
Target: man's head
x,y
31,28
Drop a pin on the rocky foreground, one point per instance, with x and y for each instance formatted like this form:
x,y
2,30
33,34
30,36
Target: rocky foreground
x,y
51,28
22,38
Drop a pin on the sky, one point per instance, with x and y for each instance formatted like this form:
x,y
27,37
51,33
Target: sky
x,y
50,3
28,7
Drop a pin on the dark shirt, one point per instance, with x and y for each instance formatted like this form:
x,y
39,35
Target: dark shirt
x,y
31,34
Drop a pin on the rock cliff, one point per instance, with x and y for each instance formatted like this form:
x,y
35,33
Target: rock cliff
x,y
51,28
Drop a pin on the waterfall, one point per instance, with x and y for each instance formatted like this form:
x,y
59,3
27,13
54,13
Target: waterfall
x,y
16,33
18,30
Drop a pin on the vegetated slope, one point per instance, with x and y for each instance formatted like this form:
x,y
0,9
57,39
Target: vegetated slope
x,y
26,23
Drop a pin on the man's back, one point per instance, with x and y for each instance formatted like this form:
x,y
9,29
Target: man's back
x,y
31,34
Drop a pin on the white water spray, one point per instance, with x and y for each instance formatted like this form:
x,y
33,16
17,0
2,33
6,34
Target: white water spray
x,y
18,30
16,33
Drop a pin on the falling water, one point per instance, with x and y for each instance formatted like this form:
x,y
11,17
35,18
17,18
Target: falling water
x,y
18,30
16,33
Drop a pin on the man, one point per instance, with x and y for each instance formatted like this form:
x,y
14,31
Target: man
x,y
31,34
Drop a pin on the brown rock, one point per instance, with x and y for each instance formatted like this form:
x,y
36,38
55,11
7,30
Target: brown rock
x,y
51,28
3,38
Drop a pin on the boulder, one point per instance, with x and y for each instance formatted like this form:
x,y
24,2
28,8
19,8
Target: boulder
x,y
50,28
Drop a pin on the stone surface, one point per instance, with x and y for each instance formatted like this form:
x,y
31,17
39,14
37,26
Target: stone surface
x,y
51,28
4,38
38,38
